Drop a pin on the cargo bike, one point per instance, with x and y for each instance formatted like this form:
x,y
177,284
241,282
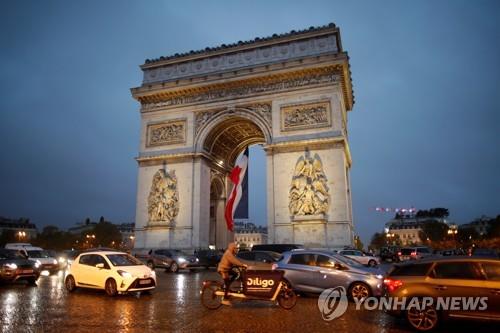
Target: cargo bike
x,y
250,285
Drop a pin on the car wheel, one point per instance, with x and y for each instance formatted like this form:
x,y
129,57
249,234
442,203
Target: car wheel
x,y
372,263
151,265
174,268
110,287
422,318
70,283
359,290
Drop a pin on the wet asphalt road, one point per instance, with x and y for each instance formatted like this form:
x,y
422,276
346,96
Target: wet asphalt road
x,y
175,307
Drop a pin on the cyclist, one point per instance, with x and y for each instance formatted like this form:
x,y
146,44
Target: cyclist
x,y
227,261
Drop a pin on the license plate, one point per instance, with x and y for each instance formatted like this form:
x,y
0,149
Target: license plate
x,y
148,281
27,271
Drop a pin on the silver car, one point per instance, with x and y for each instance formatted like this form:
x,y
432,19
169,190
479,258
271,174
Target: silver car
x,y
313,271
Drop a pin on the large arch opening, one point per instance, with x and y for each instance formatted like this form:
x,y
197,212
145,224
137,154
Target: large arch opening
x,y
222,144
230,137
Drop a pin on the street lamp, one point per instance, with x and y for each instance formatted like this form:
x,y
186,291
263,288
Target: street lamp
x,y
21,235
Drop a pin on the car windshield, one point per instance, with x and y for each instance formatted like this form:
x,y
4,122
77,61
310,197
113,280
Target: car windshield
x,y
348,261
10,255
38,254
123,260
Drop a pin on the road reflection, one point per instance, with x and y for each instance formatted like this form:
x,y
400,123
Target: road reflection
x,y
173,307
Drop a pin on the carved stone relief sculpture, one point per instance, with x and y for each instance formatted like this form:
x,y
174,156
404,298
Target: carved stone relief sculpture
x,y
163,200
166,133
304,116
309,191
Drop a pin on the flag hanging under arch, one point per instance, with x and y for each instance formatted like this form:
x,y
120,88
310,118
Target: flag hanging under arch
x,y
236,176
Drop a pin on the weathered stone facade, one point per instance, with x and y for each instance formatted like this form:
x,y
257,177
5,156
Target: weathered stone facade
x,y
290,93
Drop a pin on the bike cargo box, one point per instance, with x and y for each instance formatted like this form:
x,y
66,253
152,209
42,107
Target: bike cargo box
x,y
261,283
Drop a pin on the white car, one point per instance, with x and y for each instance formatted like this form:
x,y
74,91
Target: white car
x,y
47,262
115,272
361,257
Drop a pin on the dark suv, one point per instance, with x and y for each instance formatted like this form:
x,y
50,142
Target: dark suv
x,y
15,267
441,280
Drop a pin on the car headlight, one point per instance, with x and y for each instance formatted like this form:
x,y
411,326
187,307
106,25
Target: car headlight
x,y
181,260
379,276
54,262
124,274
62,260
11,266
153,274
38,264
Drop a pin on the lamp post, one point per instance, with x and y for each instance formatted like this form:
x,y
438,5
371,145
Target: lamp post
x,y
90,238
453,233
21,235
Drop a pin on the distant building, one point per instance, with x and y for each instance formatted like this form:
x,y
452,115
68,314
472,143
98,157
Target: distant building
x,y
23,229
82,227
249,234
480,225
407,228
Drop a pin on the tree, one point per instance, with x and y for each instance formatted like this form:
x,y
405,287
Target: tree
x,y
106,234
433,230
378,240
358,244
53,238
494,228
7,236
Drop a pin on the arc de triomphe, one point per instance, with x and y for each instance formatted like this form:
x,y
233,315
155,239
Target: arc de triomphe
x,y
199,110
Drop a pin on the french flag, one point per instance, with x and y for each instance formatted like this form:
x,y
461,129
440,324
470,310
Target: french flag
x,y
236,176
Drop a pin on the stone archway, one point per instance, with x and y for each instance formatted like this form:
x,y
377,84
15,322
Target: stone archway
x,y
290,93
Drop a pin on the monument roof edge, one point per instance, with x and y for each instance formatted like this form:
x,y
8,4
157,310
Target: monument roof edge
x,y
241,45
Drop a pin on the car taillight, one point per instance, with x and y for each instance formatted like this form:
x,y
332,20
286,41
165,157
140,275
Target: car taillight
x,y
413,254
392,284
399,253
274,267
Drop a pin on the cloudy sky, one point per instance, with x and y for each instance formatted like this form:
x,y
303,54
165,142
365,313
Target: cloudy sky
x,y
424,130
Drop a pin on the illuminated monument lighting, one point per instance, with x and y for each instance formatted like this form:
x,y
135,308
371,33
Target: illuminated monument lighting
x,y
199,110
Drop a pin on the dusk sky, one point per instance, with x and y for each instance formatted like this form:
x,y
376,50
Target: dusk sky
x,y
424,130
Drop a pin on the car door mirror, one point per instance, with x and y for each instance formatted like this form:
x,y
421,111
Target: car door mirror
x,y
100,265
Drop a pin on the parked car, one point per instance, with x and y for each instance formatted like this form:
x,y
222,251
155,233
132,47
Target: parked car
x,y
259,260
449,252
445,277
485,253
15,267
48,263
313,271
361,257
66,258
389,253
414,253
208,258
279,248
170,259
114,272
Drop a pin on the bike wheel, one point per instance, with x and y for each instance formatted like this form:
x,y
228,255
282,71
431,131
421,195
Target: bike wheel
x,y
209,299
287,298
